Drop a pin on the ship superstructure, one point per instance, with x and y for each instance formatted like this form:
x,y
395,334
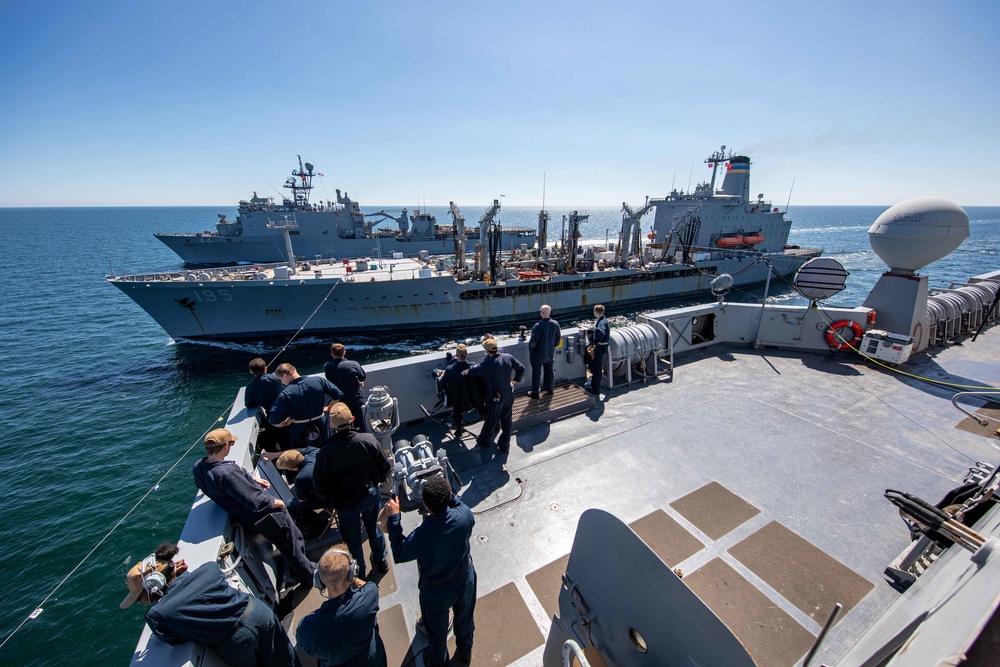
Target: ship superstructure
x,y
328,228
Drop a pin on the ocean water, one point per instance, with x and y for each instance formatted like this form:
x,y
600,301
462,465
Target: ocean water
x,y
101,403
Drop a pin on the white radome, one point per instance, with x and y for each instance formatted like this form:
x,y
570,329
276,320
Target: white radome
x,y
916,232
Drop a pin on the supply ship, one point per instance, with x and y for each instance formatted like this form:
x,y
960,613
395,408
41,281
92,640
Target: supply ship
x,y
824,496
698,241
332,229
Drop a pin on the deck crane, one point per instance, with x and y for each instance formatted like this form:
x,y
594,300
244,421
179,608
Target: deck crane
x,y
459,221
631,232
489,238
402,221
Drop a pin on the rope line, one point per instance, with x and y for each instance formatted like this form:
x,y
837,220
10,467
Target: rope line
x,y
304,324
200,440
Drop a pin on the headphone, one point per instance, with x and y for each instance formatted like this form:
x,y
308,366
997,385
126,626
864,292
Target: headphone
x,y
351,575
153,582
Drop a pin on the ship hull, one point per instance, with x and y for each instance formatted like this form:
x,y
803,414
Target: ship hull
x,y
254,309
214,250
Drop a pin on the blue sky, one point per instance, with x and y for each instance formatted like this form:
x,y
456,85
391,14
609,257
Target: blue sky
x,y
131,103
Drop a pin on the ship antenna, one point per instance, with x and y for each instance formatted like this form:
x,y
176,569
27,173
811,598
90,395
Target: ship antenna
x,y
790,195
276,190
543,190
690,174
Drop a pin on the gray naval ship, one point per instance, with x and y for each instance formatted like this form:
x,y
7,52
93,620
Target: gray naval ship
x,y
699,241
724,503
333,229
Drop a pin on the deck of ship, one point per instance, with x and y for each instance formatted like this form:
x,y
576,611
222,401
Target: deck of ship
x,y
758,473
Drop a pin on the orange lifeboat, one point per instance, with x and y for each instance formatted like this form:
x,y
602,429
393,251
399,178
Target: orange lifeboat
x,y
753,239
530,275
729,241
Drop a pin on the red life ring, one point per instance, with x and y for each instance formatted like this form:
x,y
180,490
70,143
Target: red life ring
x,y
837,342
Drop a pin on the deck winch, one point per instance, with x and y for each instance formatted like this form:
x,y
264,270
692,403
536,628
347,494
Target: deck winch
x,y
415,463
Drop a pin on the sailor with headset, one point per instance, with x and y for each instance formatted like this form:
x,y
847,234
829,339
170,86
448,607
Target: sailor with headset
x,y
200,606
344,630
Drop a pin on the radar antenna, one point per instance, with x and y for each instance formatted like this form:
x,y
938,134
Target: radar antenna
x,y
300,183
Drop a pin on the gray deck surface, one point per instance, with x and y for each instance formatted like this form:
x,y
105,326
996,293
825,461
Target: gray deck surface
x,y
808,441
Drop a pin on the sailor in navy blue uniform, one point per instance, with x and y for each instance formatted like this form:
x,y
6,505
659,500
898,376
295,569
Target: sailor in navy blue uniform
x,y
344,630
244,498
599,337
501,372
440,545
349,377
453,383
545,336
300,464
261,393
200,606
348,472
302,406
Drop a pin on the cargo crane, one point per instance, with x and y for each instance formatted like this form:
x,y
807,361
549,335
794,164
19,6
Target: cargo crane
x,y
631,234
489,238
459,234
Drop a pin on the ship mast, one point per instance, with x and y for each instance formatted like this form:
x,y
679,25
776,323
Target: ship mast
x,y
300,183
714,160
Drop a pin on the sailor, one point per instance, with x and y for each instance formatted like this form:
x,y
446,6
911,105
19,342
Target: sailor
x,y
457,387
497,370
245,498
348,472
261,393
344,630
545,335
302,406
349,377
200,606
300,464
488,336
599,337
440,545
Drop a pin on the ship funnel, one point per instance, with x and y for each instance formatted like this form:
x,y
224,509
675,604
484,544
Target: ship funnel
x,y
916,232
737,181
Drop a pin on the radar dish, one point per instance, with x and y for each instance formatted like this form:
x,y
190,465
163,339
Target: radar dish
x,y
820,278
916,232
